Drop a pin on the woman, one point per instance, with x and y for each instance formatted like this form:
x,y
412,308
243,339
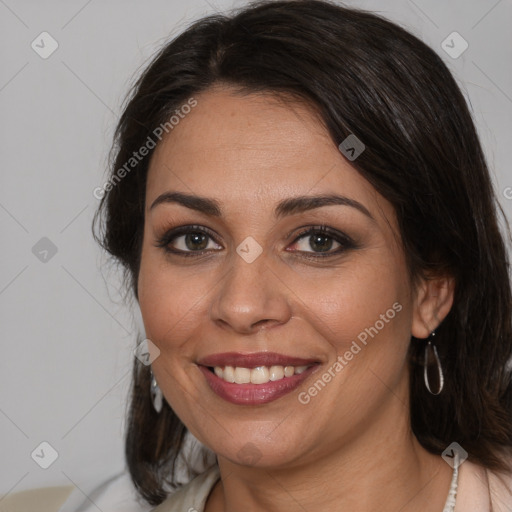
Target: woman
x,y
306,219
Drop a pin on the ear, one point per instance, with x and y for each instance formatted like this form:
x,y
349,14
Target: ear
x,y
432,302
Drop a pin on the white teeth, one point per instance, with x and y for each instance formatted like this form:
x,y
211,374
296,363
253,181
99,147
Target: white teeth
x,y
229,374
289,371
276,373
242,375
258,375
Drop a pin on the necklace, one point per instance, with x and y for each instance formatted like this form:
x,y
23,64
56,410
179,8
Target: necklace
x,y
449,506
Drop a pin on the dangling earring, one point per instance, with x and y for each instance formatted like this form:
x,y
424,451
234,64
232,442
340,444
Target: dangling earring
x,y
156,394
430,349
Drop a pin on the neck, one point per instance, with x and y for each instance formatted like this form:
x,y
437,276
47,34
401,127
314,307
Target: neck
x,y
371,472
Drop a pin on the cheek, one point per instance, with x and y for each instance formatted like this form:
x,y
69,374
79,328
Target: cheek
x,y
363,312
364,298
169,300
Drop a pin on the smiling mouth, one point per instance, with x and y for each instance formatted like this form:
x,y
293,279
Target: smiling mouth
x,y
255,378
257,375
253,386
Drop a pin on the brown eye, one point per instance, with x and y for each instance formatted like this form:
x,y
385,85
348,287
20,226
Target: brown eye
x,y
319,240
187,240
194,241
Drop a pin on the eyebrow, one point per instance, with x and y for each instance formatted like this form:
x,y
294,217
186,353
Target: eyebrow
x,y
286,207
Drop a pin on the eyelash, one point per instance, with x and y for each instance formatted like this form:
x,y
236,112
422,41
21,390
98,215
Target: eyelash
x,y
345,241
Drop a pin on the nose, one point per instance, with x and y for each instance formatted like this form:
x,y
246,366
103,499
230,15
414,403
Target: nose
x,y
250,297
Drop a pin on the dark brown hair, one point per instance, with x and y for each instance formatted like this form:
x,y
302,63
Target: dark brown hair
x,y
369,77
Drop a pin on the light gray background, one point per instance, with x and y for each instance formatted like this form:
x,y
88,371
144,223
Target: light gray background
x,y
67,339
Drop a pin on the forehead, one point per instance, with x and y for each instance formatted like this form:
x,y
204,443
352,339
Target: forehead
x,y
253,150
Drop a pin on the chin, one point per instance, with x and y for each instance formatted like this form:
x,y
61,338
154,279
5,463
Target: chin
x,y
259,451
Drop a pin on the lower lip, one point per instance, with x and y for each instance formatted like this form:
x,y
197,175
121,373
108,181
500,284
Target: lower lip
x,y
255,394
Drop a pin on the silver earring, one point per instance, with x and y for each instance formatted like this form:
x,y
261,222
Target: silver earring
x,y
431,350
156,394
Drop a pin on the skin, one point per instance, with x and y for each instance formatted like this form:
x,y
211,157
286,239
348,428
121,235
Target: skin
x,y
351,447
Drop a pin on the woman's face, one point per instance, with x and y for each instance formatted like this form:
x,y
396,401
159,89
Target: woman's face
x,y
248,288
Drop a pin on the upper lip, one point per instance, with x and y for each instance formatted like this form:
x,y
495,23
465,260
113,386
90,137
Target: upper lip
x,y
253,360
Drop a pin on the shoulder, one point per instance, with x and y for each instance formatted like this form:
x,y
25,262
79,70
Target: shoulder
x,y
500,489
483,490
193,495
